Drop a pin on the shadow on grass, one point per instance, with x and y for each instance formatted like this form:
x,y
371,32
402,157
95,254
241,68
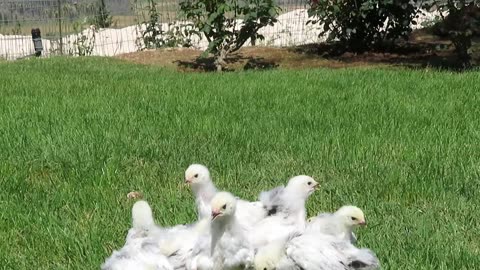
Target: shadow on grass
x,y
259,63
199,64
234,62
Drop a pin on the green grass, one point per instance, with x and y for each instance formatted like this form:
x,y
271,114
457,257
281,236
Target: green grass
x,y
76,135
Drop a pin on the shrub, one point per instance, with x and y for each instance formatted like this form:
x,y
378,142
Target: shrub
x,y
362,25
461,23
229,24
156,36
178,35
83,41
152,34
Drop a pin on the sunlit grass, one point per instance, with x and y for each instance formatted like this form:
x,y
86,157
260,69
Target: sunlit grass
x,y
76,135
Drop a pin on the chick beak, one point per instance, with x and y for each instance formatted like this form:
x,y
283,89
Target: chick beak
x,y
215,213
188,181
362,223
316,186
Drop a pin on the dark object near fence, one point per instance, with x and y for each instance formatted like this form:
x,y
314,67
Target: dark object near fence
x,y
37,41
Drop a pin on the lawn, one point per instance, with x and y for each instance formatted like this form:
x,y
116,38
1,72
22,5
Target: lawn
x,y
76,135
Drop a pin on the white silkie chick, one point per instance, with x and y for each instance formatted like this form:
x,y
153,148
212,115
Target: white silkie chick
x,y
178,243
291,212
198,177
147,240
340,224
289,200
134,255
314,251
228,247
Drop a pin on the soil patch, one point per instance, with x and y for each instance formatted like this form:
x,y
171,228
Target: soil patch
x,y
422,50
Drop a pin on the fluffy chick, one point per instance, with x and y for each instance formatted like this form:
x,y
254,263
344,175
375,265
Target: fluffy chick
x,y
340,224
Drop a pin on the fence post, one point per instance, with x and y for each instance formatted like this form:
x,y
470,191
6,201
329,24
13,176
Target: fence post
x,y
60,25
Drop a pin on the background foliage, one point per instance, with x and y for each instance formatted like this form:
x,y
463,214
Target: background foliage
x,y
219,21
361,25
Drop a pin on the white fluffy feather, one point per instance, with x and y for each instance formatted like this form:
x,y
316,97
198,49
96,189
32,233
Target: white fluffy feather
x,y
314,251
135,255
339,224
289,200
323,252
228,247
291,215
198,176
148,244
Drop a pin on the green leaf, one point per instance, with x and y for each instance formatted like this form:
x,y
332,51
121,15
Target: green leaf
x,y
242,3
206,29
272,12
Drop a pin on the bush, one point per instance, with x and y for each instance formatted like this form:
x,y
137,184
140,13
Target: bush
x,y
228,24
362,25
460,25
83,41
153,32
157,35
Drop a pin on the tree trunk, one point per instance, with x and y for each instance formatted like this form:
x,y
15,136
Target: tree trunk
x,y
462,44
460,24
220,60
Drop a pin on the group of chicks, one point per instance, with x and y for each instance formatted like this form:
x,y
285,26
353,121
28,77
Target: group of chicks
x,y
270,234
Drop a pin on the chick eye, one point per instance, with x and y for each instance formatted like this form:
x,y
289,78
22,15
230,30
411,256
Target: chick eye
x,y
196,175
224,206
265,268
354,218
309,183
